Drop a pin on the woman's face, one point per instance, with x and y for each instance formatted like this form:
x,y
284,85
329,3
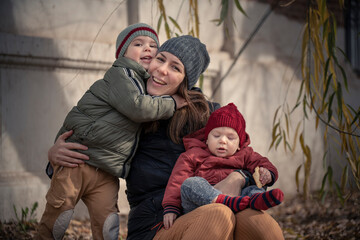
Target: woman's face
x,y
167,72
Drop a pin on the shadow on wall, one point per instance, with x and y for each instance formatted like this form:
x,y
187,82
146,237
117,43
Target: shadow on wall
x,y
33,100
38,89
43,47
42,53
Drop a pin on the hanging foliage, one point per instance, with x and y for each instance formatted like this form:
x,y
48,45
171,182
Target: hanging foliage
x,y
322,92
193,22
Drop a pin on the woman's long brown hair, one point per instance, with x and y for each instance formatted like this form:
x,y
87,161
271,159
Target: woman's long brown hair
x,y
186,119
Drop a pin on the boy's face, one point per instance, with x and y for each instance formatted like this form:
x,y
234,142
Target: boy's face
x,y
223,141
142,50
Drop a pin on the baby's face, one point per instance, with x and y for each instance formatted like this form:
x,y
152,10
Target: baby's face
x,y
142,50
223,141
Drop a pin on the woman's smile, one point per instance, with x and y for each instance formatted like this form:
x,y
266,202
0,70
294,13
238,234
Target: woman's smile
x,y
158,81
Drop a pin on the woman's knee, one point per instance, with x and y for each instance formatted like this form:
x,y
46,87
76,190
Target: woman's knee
x,y
216,214
217,221
212,221
252,224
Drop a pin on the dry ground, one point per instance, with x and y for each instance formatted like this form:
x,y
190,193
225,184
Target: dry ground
x,y
313,220
298,219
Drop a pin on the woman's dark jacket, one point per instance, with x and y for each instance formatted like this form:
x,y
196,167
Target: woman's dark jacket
x,y
150,171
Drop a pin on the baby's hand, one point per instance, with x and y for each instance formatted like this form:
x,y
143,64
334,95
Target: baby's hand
x,y
265,176
180,101
169,219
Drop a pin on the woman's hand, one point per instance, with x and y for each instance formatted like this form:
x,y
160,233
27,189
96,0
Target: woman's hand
x,y
62,154
169,219
265,176
180,101
231,185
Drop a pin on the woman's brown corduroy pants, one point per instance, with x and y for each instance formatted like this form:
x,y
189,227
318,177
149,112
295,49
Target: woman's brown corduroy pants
x,y
217,221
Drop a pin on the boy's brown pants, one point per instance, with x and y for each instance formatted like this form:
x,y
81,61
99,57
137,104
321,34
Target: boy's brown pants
x,y
97,189
216,221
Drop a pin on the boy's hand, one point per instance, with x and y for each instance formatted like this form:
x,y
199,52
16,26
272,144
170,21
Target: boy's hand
x,y
180,101
169,219
265,176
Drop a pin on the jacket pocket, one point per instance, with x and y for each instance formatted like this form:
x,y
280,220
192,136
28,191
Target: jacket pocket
x,y
60,187
54,200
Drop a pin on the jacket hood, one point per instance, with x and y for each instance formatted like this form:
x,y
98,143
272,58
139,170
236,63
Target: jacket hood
x,y
197,139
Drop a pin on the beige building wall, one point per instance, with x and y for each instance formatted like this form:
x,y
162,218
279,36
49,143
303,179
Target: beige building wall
x,y
52,51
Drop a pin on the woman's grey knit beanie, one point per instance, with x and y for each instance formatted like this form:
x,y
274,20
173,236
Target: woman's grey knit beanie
x,y
191,52
128,34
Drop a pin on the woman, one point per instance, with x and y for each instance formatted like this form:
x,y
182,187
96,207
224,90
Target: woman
x,y
175,69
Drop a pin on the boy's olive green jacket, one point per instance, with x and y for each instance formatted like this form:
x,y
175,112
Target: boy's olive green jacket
x,y
107,119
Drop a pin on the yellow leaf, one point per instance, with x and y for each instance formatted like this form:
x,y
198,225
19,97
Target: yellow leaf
x,y
295,136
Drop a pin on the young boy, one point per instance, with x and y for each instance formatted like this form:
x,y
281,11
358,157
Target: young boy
x,y
107,120
212,153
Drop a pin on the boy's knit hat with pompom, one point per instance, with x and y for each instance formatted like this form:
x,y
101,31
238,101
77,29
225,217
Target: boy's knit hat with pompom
x,y
128,34
227,116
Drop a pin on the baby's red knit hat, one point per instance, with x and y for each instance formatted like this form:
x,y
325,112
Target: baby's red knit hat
x,y
227,116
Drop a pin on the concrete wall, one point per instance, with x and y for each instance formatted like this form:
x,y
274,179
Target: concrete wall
x,y
52,51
